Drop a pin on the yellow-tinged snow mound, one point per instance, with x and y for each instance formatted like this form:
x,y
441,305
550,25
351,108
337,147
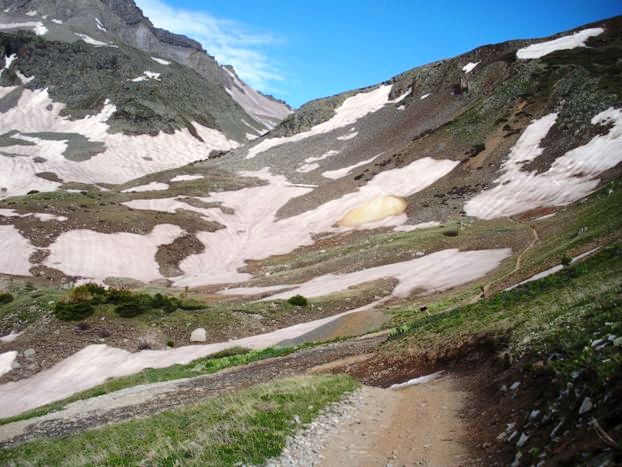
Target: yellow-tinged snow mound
x,y
375,210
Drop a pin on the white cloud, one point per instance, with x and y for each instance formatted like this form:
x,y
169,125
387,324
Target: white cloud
x,y
231,42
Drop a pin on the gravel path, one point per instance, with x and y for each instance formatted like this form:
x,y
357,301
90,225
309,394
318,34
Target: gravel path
x,y
415,425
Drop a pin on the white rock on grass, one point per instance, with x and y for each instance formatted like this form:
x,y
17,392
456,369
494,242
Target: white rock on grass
x,y
586,406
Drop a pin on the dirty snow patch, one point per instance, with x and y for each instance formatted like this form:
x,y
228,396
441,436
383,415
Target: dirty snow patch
x,y
434,272
6,361
571,177
17,262
348,136
153,186
89,40
419,380
469,67
147,75
351,110
37,26
340,173
541,49
99,25
160,61
186,178
421,225
10,337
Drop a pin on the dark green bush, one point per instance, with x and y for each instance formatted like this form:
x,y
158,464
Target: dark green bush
x,y
451,233
166,304
5,298
131,309
190,305
298,300
118,296
73,311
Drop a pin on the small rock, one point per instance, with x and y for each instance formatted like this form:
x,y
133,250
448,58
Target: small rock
x,y
515,386
522,440
504,388
513,435
586,406
534,414
517,459
597,342
501,436
198,335
297,419
29,353
617,342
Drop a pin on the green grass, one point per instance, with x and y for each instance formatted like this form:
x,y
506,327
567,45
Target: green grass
x,y
228,358
245,427
559,314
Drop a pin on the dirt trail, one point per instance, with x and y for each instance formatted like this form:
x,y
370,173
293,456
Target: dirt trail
x,y
519,258
416,425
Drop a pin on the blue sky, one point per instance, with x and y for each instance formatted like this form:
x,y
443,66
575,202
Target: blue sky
x,y
302,50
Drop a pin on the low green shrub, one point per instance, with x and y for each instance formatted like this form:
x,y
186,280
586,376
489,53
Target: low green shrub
x,y
5,297
73,311
298,300
131,309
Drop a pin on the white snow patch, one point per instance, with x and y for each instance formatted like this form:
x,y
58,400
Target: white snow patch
x,y
57,21
545,216
95,255
153,186
160,61
469,67
306,168
186,178
89,40
23,78
326,155
45,217
419,380
402,97
125,158
37,26
10,337
434,272
351,110
31,13
99,25
570,177
17,262
147,75
563,43
425,96
6,361
340,173
7,64
421,225
348,136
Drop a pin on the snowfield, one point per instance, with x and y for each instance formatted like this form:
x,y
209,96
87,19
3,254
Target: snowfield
x,y
434,272
250,231
99,255
153,186
541,49
351,110
123,158
36,26
96,363
571,177
16,263
6,361
468,68
340,173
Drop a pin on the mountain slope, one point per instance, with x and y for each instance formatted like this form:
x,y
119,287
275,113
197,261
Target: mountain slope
x,y
104,62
